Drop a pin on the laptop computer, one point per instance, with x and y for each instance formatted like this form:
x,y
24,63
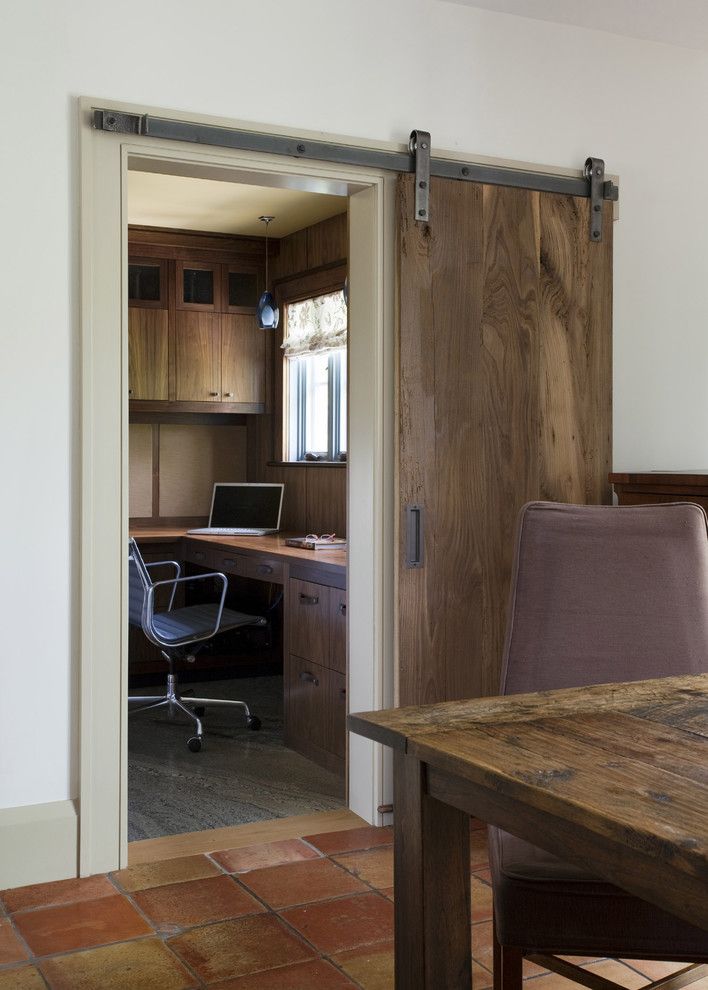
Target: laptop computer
x,y
243,509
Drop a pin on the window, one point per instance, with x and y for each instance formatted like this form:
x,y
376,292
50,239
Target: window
x,y
316,373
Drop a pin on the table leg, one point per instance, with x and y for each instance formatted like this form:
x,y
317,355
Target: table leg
x,y
432,886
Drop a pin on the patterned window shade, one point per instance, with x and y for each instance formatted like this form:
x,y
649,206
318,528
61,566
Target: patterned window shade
x,y
315,326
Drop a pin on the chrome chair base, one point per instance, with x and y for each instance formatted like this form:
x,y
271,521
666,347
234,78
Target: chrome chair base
x,y
175,702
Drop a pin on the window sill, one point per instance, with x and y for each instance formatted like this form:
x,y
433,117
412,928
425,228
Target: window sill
x,y
308,464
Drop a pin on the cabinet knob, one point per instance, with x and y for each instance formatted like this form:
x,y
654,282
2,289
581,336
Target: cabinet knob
x,y
228,394
214,394
305,675
130,391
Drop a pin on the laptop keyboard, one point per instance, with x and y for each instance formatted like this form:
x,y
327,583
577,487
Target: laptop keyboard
x,y
228,531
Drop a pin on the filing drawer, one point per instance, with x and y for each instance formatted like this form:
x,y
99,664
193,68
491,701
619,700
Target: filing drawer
x,y
198,553
338,630
309,607
309,688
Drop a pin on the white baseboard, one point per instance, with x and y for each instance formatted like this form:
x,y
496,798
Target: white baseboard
x,y
38,843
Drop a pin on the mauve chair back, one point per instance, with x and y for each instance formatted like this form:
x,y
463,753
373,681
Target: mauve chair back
x,y
606,593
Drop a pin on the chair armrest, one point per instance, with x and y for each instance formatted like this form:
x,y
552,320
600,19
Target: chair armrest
x,y
178,570
150,602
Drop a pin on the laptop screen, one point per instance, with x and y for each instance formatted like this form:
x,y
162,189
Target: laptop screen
x,y
249,506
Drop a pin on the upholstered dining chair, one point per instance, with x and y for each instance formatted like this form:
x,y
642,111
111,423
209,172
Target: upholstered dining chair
x,y
598,594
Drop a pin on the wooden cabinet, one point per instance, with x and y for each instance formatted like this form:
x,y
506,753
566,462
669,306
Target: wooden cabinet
x,y
148,349
194,343
315,720
197,357
243,360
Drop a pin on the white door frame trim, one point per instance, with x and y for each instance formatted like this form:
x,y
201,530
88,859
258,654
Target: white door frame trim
x,y
104,439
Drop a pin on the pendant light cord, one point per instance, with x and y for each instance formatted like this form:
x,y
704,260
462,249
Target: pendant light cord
x,y
266,220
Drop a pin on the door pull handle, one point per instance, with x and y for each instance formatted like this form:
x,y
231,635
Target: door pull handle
x,y
414,536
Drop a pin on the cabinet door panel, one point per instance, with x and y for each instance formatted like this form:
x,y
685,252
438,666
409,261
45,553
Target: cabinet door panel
x,y
308,688
309,620
243,359
197,357
338,630
147,353
337,727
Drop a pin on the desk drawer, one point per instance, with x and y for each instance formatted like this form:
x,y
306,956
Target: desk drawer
x,y
265,569
199,553
229,562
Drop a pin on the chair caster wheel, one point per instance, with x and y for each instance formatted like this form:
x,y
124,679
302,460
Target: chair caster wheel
x,y
194,744
253,723
199,711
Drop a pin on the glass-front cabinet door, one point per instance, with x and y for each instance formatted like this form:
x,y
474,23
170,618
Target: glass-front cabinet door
x,y
241,288
198,285
147,283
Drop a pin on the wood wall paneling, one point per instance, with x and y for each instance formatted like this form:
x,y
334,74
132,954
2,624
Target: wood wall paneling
x,y
243,359
197,357
327,241
147,353
504,396
326,500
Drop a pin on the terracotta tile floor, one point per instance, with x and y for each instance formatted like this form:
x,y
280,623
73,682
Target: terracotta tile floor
x,y
299,914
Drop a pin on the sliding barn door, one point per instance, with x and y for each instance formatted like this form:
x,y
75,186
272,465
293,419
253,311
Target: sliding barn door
x,y
505,350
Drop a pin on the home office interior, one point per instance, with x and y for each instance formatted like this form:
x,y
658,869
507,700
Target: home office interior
x,y
237,386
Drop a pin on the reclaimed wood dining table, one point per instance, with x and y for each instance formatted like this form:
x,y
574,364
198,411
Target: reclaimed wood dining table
x,y
612,776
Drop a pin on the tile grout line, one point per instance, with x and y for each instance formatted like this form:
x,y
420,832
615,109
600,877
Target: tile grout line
x,y
163,938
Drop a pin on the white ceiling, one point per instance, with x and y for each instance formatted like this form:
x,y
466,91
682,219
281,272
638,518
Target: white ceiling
x,y
187,203
675,22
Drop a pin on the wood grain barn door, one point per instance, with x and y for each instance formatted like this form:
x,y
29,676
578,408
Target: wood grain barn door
x,y
505,377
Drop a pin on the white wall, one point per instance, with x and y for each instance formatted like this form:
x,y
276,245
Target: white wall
x,y
481,82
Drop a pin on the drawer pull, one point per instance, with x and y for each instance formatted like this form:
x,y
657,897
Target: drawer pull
x,y
342,608
265,568
309,599
305,675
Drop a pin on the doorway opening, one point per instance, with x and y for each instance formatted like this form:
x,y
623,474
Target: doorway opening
x,y
107,160
220,408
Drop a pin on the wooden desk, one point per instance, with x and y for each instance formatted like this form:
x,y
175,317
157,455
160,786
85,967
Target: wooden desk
x,y
654,487
612,776
314,624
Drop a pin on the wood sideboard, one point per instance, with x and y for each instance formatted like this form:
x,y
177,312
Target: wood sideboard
x,y
654,487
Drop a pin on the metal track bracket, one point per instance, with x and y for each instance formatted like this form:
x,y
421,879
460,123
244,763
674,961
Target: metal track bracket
x,y
120,123
599,191
419,147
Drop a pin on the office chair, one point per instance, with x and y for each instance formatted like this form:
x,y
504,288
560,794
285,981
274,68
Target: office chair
x,y
599,594
180,633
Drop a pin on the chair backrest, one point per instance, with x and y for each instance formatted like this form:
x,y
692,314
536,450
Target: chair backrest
x,y
606,593
138,584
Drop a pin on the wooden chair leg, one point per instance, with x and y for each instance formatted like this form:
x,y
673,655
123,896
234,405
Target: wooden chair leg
x,y
508,964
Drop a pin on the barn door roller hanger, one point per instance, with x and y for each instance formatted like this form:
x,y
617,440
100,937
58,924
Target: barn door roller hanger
x,y
417,159
598,188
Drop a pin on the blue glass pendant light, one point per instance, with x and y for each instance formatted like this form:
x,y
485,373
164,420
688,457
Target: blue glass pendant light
x,y
267,312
